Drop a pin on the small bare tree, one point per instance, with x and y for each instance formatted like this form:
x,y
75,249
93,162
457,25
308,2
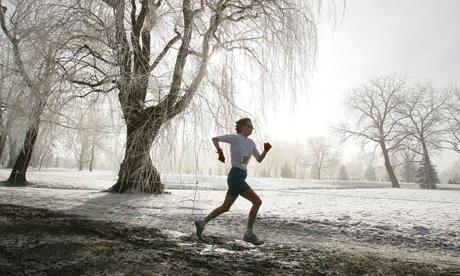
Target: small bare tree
x,y
422,122
452,120
321,155
407,161
373,111
370,174
343,173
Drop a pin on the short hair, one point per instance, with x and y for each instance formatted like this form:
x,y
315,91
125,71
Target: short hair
x,y
241,122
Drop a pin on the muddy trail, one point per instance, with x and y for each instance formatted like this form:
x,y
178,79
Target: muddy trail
x,y
42,242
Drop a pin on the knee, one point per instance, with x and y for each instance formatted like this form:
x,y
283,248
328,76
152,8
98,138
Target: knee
x,y
257,202
224,208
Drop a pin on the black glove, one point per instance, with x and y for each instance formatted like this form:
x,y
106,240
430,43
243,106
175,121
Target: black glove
x,y
267,146
221,157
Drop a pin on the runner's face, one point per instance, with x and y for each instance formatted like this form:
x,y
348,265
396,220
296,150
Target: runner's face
x,y
247,128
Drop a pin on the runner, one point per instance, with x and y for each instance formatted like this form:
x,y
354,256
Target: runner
x,y
241,149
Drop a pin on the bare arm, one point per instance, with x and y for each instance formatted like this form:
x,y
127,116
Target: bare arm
x,y
216,144
220,152
267,147
262,156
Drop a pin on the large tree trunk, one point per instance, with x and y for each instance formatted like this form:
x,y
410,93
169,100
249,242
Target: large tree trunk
x,y
91,160
2,132
2,142
388,166
42,158
2,126
12,155
429,170
137,173
81,159
18,174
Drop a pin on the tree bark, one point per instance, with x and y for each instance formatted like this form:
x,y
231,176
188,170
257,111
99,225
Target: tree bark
x,y
81,160
137,173
2,131
12,155
2,142
431,181
91,161
40,163
388,166
18,174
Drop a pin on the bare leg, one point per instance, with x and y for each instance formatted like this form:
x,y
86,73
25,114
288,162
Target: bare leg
x,y
228,202
256,202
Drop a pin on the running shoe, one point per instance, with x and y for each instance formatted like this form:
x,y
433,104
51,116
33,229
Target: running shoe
x,y
199,228
252,238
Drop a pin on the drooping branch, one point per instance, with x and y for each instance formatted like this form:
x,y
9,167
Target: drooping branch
x,y
95,85
95,54
16,51
165,50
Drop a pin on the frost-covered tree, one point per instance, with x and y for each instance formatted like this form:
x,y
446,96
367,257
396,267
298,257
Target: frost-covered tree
x,y
452,120
264,172
14,108
286,171
427,175
16,116
321,155
454,180
343,173
155,54
44,147
374,118
286,153
86,135
10,107
407,163
422,121
370,174
36,32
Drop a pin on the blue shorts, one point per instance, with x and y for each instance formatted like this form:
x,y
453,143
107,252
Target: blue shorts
x,y
236,181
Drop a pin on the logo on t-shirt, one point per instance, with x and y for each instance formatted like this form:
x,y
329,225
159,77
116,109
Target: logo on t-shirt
x,y
245,159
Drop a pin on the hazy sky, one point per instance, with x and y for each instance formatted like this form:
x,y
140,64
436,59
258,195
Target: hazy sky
x,y
418,38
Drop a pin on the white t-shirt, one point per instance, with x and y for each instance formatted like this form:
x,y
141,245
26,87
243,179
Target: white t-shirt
x,y
241,149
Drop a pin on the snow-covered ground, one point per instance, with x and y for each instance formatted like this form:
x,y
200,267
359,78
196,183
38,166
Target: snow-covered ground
x,y
302,212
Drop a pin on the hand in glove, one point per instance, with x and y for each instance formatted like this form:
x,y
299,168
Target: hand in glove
x,y
267,146
221,157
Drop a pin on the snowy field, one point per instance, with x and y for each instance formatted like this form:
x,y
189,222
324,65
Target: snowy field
x,y
407,222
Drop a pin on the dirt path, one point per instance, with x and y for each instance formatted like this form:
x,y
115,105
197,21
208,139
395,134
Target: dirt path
x,y
38,241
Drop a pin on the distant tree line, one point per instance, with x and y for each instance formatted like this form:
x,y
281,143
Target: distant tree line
x,y
407,122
